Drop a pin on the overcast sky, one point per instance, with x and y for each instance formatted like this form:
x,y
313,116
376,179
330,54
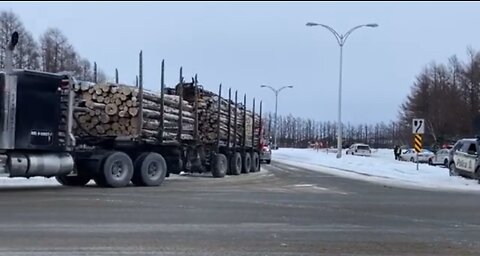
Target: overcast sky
x,y
244,45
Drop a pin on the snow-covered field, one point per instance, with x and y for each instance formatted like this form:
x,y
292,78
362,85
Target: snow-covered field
x,y
23,182
381,167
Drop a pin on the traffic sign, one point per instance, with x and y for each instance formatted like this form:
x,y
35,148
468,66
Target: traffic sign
x,y
418,126
417,143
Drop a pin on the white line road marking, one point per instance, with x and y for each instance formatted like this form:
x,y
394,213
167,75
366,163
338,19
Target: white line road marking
x,y
304,185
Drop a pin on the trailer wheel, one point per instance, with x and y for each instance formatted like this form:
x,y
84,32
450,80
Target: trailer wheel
x,y
219,166
255,162
247,163
73,181
149,170
116,170
236,164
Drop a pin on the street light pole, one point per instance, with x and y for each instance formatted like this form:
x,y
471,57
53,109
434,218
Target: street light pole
x,y
341,39
276,91
340,128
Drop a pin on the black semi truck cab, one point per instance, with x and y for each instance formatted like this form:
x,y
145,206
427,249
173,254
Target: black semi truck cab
x,y
35,121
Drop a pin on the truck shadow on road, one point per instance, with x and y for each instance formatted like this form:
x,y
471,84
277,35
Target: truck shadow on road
x,y
27,188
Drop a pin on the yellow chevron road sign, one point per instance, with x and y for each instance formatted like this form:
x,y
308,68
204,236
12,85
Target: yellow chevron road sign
x,y
417,142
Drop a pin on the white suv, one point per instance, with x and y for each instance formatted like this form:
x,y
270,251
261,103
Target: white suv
x,y
464,159
359,149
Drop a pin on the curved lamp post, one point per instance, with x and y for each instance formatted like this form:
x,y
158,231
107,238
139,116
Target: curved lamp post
x,y
341,39
276,91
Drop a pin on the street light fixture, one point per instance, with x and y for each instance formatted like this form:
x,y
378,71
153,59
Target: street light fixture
x,y
341,41
276,91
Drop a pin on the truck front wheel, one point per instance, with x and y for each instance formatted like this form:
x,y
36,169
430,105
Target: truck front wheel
x,y
73,181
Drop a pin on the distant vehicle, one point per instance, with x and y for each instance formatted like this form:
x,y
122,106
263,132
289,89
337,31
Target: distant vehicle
x,y
411,155
448,146
464,159
266,154
440,158
359,150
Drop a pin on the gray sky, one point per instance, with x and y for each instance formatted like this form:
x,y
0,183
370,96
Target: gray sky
x,y
244,45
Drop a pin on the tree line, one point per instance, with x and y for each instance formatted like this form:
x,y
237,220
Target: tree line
x,y
301,132
52,52
447,96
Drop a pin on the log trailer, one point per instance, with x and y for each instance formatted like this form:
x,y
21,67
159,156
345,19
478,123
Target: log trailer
x,y
37,136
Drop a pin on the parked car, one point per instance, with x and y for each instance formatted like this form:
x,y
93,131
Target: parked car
x,y
359,149
464,159
411,155
266,154
440,158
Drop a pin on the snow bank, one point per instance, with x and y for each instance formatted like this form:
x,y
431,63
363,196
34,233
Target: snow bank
x,y
381,167
24,182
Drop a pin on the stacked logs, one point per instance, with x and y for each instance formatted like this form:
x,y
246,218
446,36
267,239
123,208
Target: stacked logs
x,y
208,120
249,128
109,109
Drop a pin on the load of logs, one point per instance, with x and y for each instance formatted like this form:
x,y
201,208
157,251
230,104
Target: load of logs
x,y
208,120
109,109
112,110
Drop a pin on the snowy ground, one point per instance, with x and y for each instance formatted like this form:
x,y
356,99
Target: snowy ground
x,y
381,167
23,182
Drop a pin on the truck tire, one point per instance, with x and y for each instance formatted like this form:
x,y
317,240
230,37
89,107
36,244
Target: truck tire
x,y
247,163
236,164
268,161
116,170
219,166
73,181
149,170
255,162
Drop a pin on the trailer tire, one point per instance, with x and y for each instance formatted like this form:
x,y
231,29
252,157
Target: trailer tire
x,y
150,169
73,181
219,166
115,171
247,163
255,162
236,164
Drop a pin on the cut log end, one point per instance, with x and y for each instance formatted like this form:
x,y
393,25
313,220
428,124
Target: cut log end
x,y
111,109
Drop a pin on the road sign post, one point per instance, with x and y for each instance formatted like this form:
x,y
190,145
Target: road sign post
x,y
418,128
417,144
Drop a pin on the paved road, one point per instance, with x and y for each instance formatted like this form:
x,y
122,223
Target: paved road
x,y
283,210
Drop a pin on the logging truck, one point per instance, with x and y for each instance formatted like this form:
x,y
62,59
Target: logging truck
x,y
52,125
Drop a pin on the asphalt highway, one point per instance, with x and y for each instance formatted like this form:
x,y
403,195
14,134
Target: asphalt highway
x,y
282,210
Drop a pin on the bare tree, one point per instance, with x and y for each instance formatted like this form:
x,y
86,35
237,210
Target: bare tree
x,y
53,45
27,52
